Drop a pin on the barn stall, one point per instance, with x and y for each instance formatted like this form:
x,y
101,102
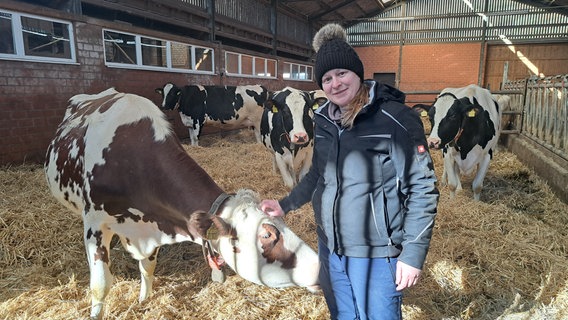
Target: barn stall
x,y
502,258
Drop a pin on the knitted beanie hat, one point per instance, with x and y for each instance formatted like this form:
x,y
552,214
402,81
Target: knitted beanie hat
x,y
333,52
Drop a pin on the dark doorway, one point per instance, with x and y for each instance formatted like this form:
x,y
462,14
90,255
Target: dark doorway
x,y
387,78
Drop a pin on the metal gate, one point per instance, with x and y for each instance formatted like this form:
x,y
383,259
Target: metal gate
x,y
543,111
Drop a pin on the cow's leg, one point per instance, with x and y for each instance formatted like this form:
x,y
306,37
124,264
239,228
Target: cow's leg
x,y
482,169
283,163
458,175
304,163
147,267
274,165
257,134
304,169
452,174
193,135
444,179
97,243
191,125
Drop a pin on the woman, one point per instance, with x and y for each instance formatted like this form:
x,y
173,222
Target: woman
x,y
372,187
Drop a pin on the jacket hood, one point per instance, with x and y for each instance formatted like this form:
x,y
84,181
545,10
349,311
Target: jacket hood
x,y
384,92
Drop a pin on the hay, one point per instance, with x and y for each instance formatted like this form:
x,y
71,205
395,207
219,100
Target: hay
x,y
502,258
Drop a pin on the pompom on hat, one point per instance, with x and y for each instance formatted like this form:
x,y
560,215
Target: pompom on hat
x,y
333,52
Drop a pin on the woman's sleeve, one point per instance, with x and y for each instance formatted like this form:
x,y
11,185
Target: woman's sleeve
x,y
418,185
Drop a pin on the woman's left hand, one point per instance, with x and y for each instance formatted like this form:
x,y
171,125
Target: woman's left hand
x,y
406,276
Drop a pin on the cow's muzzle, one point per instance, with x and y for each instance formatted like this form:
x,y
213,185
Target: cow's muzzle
x,y
434,143
300,139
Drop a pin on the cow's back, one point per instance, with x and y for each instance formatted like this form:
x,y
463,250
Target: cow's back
x,y
235,107
83,142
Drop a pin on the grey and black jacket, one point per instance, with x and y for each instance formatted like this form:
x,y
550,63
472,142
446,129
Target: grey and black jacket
x,y
372,187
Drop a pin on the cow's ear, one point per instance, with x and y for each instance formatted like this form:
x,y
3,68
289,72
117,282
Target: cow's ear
x,y
318,103
223,228
269,105
199,222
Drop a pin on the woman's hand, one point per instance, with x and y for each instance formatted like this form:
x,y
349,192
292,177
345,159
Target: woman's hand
x,y
271,208
406,276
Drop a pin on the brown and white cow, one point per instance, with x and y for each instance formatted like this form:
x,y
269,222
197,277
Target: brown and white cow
x,y
225,107
466,123
116,161
287,131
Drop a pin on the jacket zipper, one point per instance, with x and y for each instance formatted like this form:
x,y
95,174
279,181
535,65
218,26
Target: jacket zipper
x,y
339,130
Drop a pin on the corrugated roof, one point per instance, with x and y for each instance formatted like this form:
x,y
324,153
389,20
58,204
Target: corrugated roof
x,y
346,12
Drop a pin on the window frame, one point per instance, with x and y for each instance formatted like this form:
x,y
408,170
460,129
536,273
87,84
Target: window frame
x,y
19,39
250,71
308,71
168,64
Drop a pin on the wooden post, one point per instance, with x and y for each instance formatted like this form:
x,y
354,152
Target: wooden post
x,y
505,74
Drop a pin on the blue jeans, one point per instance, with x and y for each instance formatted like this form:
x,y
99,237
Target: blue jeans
x,y
359,288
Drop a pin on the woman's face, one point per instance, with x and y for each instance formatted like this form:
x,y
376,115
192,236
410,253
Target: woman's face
x,y
340,86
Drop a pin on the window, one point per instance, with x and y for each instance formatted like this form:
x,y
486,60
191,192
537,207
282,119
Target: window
x,y
120,48
294,71
238,64
154,52
203,59
26,37
126,50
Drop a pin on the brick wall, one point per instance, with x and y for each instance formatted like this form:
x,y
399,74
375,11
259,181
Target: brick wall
x,y
429,67
433,67
382,59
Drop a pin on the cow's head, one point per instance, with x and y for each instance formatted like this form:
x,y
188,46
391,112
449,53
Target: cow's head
x,y
294,109
262,249
449,116
170,96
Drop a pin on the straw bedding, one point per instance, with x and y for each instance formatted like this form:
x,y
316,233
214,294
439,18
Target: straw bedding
x,y
504,257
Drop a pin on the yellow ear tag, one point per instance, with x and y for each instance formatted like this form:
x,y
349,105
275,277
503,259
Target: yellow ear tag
x,y
212,233
274,109
423,113
315,106
471,113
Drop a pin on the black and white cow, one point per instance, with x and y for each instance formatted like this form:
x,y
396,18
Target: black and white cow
x,y
116,161
466,125
226,107
287,131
